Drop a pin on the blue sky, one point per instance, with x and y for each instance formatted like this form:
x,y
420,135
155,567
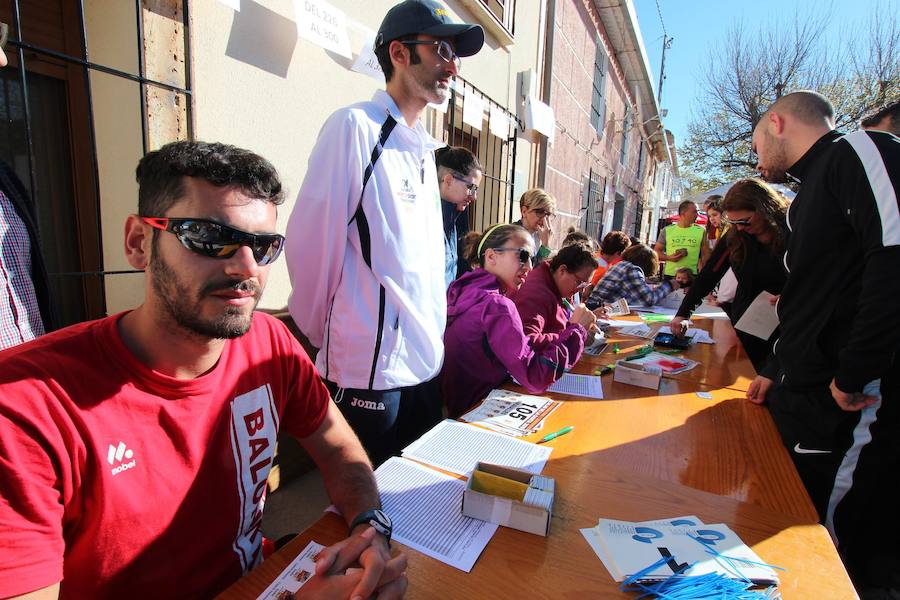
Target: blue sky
x,y
698,26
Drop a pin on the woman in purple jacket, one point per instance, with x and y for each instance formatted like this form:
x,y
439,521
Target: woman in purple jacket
x,y
484,342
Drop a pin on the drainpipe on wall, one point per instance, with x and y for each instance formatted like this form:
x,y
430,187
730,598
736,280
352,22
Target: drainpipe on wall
x,y
550,24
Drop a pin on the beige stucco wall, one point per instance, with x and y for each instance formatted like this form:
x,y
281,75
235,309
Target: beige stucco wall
x,y
257,85
112,34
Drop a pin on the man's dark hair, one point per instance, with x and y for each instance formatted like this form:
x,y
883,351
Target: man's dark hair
x,y
614,242
643,257
889,111
382,53
160,174
458,159
682,208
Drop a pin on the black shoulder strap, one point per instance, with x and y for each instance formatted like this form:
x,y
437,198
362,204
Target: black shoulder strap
x,y
365,242
359,215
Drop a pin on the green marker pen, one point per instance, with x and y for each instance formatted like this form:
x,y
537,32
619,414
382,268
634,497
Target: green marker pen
x,y
556,434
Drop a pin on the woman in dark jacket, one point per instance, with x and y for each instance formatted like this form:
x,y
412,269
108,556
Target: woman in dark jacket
x,y
753,247
543,301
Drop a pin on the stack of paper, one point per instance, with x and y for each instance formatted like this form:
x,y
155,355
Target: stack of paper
x,y
458,448
424,505
691,547
589,386
511,413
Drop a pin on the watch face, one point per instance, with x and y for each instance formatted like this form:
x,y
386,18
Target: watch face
x,y
382,518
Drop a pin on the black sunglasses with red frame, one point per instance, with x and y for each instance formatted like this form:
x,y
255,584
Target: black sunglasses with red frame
x,y
215,240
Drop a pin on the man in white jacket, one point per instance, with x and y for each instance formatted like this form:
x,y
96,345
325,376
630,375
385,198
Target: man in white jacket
x,y
365,251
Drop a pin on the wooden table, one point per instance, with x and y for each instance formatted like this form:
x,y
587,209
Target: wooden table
x,y
723,364
639,455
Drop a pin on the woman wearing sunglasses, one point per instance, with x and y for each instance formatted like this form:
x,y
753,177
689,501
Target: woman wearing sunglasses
x,y
484,343
753,248
545,301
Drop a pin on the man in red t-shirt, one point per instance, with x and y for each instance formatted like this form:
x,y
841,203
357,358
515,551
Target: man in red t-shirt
x,y
134,450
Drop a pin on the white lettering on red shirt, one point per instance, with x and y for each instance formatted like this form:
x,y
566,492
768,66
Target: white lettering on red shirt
x,y
254,427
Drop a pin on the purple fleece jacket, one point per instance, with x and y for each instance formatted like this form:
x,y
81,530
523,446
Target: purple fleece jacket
x,y
484,344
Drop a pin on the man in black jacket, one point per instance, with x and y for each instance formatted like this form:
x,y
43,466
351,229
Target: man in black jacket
x,y
835,367
25,304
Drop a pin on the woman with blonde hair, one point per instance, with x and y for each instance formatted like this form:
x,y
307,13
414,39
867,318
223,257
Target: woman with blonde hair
x,y
538,208
752,247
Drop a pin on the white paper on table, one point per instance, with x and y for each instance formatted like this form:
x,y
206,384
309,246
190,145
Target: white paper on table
x,y
640,330
699,336
295,575
458,447
425,506
473,111
511,413
499,122
324,25
760,319
592,535
673,300
634,546
589,386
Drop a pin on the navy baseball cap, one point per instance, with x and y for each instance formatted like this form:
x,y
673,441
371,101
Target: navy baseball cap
x,y
429,18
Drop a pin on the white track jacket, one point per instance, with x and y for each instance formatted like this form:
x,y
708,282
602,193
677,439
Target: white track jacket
x,y
378,327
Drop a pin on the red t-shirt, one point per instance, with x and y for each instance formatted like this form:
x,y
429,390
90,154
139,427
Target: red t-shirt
x,y
122,482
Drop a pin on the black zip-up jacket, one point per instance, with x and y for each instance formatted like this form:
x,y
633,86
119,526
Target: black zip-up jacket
x,y
15,191
761,270
838,311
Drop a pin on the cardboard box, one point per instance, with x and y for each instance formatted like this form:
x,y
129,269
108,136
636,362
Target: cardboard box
x,y
646,376
506,512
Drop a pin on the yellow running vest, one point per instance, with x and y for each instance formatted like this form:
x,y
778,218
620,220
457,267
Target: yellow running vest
x,y
688,238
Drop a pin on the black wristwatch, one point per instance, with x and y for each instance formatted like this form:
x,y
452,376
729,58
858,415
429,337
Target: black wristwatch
x,y
377,519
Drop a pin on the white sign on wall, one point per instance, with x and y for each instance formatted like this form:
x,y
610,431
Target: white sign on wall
x,y
367,63
499,122
323,25
473,111
539,117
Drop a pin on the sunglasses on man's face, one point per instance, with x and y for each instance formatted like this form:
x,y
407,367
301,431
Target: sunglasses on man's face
x,y
214,240
444,50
